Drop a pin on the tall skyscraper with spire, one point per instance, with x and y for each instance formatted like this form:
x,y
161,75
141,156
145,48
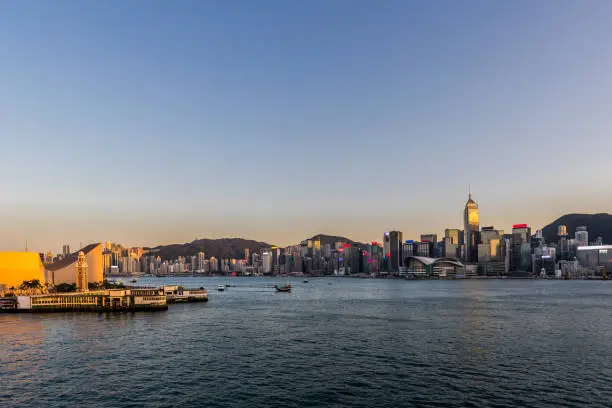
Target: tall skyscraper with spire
x,y
471,224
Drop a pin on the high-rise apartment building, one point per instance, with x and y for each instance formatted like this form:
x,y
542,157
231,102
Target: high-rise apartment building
x,y
200,263
453,235
393,241
429,238
581,236
65,250
521,238
471,224
317,246
266,261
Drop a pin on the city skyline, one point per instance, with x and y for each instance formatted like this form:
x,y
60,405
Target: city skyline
x,y
152,124
407,236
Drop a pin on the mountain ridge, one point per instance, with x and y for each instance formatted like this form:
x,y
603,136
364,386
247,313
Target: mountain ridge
x,y
230,247
598,225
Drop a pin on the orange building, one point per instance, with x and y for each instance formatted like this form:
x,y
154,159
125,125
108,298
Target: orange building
x,y
15,267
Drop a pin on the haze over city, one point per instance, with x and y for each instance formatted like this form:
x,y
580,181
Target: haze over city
x,y
155,122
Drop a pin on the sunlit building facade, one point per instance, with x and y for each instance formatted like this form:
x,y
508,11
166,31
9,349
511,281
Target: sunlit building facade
x,y
16,267
65,270
471,223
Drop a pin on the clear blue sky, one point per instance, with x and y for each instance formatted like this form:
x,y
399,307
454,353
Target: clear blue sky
x,y
148,122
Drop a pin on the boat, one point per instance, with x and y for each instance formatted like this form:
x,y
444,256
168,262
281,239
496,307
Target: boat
x,y
283,288
305,280
178,294
220,288
133,281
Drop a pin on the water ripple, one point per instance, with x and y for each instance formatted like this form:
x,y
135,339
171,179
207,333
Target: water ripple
x,y
351,344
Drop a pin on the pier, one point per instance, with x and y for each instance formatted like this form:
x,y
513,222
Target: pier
x,y
112,300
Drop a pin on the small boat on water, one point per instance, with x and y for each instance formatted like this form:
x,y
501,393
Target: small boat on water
x,y
133,281
283,288
305,280
220,288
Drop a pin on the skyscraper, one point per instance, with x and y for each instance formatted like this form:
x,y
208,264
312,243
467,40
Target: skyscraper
x,y
65,250
581,236
393,241
266,260
453,235
429,238
471,224
521,243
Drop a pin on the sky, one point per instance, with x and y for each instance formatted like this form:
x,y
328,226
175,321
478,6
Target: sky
x,y
156,122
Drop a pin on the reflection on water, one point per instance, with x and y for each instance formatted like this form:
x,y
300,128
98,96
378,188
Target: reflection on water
x,y
352,343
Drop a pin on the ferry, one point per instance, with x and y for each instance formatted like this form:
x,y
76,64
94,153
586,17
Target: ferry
x,y
179,294
220,288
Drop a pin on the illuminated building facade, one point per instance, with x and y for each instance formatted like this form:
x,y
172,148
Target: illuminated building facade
x,y
471,223
16,267
65,270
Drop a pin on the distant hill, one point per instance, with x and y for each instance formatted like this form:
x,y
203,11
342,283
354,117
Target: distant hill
x,y
219,248
332,239
229,247
598,225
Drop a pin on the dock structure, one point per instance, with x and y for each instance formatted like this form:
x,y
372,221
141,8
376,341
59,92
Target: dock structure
x,y
112,300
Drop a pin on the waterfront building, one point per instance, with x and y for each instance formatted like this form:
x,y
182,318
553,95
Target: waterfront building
x,y
471,223
595,256
422,266
64,271
425,249
544,258
521,236
409,249
16,267
96,301
393,241
489,249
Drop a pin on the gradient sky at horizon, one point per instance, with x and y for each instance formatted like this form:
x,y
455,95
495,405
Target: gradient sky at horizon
x,y
154,122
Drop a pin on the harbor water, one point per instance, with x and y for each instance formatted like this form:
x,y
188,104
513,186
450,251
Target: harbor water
x,y
337,342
